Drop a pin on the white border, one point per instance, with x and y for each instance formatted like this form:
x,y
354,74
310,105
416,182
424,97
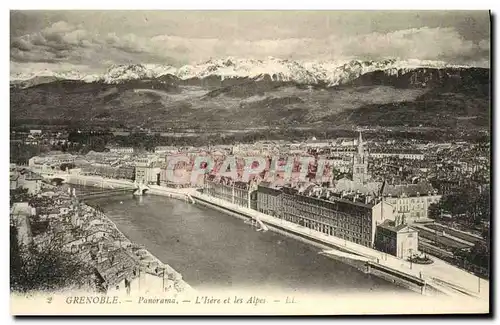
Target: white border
x,y
260,5
212,5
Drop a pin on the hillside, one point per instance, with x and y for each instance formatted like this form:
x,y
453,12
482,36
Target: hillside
x,y
133,95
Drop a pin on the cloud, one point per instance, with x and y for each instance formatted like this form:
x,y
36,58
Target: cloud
x,y
67,43
417,43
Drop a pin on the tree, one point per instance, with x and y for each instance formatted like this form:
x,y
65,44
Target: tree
x,y
480,255
19,195
45,267
469,203
67,166
484,205
434,211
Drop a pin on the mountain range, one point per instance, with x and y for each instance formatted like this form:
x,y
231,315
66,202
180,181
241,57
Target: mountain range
x,y
330,73
240,93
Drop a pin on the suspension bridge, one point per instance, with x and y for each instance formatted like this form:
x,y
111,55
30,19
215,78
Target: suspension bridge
x,y
100,192
87,195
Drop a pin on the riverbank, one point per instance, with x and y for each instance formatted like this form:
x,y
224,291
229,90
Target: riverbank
x,y
156,274
152,276
441,275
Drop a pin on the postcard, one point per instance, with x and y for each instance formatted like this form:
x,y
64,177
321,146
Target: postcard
x,y
249,162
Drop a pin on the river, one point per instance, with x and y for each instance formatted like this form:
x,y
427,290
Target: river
x,y
213,250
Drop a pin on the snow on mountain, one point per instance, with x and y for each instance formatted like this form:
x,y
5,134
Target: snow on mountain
x,y
336,73
304,72
278,70
119,73
65,75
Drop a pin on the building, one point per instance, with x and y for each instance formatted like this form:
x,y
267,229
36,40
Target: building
x,y
317,144
28,180
316,208
114,267
343,151
269,199
176,171
397,238
166,149
147,174
32,140
361,180
411,200
351,220
14,178
447,186
178,178
55,160
35,132
347,142
346,185
20,214
95,235
73,245
144,171
106,171
400,154
122,150
224,188
342,164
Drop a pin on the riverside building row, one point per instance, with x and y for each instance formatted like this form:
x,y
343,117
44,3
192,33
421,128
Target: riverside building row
x,y
367,215
367,221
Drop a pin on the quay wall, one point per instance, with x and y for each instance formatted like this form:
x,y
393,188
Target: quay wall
x,y
185,195
316,242
187,289
274,227
303,234
110,183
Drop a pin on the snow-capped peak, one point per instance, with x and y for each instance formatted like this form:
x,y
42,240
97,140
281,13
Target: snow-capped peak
x,y
277,69
65,75
118,73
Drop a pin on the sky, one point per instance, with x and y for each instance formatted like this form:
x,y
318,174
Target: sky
x,y
91,41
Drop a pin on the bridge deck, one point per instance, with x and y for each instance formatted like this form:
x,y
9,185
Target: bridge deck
x,y
110,192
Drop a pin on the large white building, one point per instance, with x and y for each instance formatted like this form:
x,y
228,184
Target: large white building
x,y
121,150
51,160
145,172
412,155
26,179
411,201
166,149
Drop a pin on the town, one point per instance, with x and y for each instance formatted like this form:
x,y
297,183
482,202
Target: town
x,y
411,198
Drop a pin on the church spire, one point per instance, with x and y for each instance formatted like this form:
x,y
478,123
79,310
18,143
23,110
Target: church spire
x,y
360,165
360,145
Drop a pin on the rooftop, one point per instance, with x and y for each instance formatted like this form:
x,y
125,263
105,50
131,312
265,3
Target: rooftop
x,y
421,188
391,226
21,208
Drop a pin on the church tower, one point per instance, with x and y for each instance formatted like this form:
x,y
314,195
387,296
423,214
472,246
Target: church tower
x,y
360,164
